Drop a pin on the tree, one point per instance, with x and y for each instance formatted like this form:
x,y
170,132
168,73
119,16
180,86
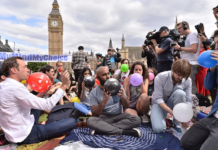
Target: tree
x,y
34,66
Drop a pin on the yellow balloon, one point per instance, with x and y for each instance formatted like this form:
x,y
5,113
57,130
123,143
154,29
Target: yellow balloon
x,y
75,99
24,81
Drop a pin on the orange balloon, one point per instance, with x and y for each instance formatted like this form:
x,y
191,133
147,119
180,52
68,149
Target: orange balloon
x,y
39,82
97,82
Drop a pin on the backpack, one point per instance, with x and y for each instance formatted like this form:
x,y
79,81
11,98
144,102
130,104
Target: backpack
x,y
61,112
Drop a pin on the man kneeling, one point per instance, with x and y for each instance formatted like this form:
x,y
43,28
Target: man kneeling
x,y
108,110
170,89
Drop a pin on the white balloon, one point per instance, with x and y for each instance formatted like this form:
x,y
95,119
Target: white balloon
x,y
183,112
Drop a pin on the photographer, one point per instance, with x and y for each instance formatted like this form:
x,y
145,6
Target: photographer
x,y
190,51
111,58
163,50
149,52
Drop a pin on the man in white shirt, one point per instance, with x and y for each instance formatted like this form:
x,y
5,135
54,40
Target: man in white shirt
x,y
190,51
20,110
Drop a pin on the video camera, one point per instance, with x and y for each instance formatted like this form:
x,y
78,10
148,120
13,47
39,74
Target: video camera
x,y
152,35
180,40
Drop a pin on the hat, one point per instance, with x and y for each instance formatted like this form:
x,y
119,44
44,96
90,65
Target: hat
x,y
98,54
162,29
109,50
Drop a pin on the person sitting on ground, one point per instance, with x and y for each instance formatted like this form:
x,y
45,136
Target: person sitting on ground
x,y
57,72
170,88
137,95
203,134
49,71
121,76
83,92
20,109
151,82
108,110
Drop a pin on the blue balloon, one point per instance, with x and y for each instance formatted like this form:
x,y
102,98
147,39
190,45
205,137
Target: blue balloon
x,y
205,60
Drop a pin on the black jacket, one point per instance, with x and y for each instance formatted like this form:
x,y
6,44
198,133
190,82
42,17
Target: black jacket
x,y
151,58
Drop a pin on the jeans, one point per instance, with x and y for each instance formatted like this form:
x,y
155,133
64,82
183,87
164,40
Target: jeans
x,y
164,66
41,133
113,124
194,71
158,115
76,74
202,135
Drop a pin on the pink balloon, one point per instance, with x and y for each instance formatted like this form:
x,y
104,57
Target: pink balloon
x,y
151,76
136,79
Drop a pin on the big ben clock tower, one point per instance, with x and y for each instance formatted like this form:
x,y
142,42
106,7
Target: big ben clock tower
x,y
55,31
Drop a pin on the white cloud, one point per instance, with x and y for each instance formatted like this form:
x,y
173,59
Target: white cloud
x,y
92,23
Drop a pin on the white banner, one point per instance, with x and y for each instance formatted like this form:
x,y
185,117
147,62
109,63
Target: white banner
x,y
37,57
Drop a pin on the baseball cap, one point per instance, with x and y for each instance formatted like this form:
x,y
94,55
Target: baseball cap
x,y
162,29
98,54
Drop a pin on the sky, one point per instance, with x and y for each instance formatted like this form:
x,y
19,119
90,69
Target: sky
x,y
91,23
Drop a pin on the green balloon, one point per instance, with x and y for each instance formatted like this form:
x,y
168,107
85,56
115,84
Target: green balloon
x,y
124,68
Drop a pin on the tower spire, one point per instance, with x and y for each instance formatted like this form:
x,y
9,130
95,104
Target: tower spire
x,y
176,24
110,44
123,42
55,2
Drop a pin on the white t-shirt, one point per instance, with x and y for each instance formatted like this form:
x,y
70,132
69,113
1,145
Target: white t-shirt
x,y
124,75
192,38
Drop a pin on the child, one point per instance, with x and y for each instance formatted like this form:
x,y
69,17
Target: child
x,y
139,100
152,73
121,76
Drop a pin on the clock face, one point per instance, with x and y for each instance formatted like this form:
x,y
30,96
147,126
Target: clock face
x,y
54,23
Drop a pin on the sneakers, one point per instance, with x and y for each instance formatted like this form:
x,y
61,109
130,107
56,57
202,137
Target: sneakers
x,y
93,132
134,132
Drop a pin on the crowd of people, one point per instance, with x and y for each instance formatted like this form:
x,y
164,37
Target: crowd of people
x,y
166,82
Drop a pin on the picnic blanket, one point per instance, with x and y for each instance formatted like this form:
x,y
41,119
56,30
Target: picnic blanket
x,y
148,141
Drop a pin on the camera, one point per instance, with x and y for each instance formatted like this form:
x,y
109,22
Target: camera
x,y
180,40
198,26
152,35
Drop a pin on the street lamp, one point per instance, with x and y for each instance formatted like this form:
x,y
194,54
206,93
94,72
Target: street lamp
x,y
18,50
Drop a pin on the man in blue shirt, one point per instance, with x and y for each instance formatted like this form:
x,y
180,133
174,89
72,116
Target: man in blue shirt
x,y
203,135
164,51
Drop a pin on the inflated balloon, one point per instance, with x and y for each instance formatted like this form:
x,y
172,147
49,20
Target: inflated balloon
x,y
205,60
89,81
136,79
183,112
112,86
23,81
97,82
151,76
60,69
124,68
75,99
39,82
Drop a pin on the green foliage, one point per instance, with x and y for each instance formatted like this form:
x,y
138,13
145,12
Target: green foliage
x,y
34,66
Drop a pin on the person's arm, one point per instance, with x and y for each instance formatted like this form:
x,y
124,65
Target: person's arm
x,y
194,41
73,61
210,78
157,96
188,91
26,99
123,97
126,85
86,59
98,109
164,46
82,95
145,87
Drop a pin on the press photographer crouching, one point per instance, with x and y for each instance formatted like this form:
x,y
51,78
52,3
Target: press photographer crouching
x,y
164,50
